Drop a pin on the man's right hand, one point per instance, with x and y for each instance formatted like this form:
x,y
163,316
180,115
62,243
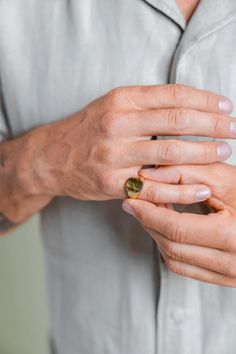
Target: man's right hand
x,y
91,154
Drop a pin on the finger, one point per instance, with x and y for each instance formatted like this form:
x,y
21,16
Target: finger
x,y
179,121
175,152
166,193
199,273
210,175
185,174
211,230
208,258
171,95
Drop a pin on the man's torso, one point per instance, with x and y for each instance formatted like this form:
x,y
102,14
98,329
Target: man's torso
x,y
102,268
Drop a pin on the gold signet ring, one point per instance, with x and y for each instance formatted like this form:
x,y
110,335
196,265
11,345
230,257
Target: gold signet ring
x,y
133,187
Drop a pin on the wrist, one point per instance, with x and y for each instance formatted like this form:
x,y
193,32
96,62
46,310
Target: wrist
x,y
24,178
19,167
25,166
37,167
37,162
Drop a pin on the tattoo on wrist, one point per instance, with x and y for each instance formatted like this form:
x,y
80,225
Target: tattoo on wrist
x,y
6,224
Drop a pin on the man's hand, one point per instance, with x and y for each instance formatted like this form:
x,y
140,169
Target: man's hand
x,y
90,155
220,178
202,247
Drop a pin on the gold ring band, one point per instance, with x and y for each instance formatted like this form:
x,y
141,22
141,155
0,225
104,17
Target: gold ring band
x,y
133,186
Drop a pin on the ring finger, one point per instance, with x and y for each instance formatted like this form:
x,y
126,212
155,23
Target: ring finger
x,y
159,193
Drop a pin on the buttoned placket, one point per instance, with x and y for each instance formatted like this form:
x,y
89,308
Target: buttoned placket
x,y
209,17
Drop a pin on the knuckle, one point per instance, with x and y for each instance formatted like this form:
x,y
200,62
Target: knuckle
x,y
208,152
115,96
217,124
177,93
175,267
168,151
108,123
172,265
106,182
173,252
178,119
152,195
179,234
105,153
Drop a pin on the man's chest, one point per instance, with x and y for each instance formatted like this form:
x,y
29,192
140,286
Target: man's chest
x,y
187,7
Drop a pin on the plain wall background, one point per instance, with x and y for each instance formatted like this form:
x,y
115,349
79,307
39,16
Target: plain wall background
x,y
23,310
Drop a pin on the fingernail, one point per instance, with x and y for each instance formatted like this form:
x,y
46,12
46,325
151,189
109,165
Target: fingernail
x,y
233,127
127,207
202,194
225,105
224,150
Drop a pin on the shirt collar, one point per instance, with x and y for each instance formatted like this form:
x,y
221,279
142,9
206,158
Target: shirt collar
x,y
170,9
209,15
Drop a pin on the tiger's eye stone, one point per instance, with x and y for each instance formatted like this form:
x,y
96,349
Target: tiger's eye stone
x,y
133,186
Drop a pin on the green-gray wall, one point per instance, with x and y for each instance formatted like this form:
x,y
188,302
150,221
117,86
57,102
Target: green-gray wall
x,y
23,313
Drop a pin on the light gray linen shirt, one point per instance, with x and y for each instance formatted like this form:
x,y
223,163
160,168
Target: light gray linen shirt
x,y
108,291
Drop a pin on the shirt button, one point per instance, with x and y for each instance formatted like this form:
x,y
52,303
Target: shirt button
x,y
177,314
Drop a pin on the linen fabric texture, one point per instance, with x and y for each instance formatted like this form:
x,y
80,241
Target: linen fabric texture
x,y
108,291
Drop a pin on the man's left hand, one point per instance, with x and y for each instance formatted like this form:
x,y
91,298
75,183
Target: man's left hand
x,y
202,247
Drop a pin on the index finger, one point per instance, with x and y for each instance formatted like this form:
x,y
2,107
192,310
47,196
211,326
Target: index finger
x,y
175,95
201,230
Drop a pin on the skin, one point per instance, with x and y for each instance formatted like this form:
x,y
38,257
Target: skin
x,y
201,247
91,154
187,7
